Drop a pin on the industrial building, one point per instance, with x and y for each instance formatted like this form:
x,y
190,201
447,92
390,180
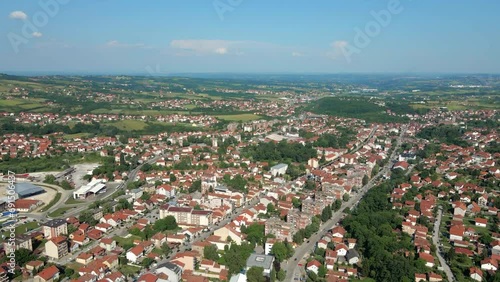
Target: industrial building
x,y
94,187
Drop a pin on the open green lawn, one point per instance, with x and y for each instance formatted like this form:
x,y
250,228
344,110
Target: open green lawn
x,y
21,229
52,202
125,241
240,117
71,201
129,270
76,135
22,104
129,124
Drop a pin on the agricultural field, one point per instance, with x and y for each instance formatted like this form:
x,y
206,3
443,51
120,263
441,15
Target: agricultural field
x,y
239,117
129,125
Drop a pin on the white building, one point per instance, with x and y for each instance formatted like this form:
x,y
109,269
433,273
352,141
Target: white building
x,y
94,187
279,169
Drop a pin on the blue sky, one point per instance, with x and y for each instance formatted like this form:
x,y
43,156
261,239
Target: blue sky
x,y
271,36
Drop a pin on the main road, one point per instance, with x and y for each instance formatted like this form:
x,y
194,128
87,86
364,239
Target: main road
x,y
292,266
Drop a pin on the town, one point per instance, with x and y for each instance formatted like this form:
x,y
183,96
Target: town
x,y
299,195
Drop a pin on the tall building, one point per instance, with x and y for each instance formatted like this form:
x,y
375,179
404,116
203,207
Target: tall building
x,y
55,228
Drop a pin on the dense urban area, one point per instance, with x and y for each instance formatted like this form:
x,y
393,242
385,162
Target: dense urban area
x,y
250,178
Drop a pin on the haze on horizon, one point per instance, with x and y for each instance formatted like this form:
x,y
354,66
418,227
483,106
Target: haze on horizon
x,y
249,36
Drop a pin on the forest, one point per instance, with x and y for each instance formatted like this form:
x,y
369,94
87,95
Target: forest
x,y
376,226
448,134
353,108
281,152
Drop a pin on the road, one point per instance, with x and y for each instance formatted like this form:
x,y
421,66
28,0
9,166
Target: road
x,y
292,267
435,241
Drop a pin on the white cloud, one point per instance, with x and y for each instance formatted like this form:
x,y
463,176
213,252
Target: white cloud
x,y
37,34
18,15
297,54
201,47
221,51
339,47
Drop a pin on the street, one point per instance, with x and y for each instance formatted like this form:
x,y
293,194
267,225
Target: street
x,y
292,267
435,241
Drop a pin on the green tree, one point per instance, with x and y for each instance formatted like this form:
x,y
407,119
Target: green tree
x,y
166,249
326,214
281,275
322,271
345,197
365,180
280,251
256,274
50,179
23,256
210,252
167,223
173,178
195,186
146,262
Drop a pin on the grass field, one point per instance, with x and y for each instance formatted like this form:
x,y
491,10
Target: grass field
x,y
53,202
459,105
240,117
129,125
21,229
72,201
125,241
129,269
76,135
60,211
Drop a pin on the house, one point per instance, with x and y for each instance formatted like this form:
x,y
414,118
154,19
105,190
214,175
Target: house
x,y
460,209
489,264
21,241
341,250
401,165
84,258
481,222
174,272
419,277
434,277
108,244
495,247
313,266
457,232
352,256
49,274
338,231
429,259
135,253
476,274
56,247
34,265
